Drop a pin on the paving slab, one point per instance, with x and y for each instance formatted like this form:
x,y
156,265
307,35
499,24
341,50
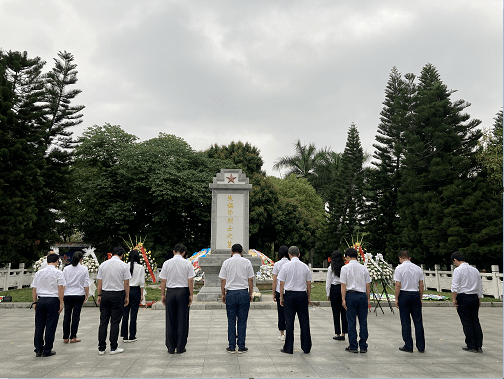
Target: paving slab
x,y
206,356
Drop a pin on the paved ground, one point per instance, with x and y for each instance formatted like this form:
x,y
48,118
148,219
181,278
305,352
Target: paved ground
x,y
205,356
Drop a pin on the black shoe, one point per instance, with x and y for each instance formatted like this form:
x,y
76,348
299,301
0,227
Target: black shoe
x,y
181,351
171,352
402,348
38,353
421,351
337,338
351,350
52,352
363,350
465,348
479,350
242,350
230,350
283,351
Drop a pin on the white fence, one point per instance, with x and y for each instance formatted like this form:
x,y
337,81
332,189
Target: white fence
x,y
18,278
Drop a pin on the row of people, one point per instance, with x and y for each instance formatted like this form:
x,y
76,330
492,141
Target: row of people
x,y
120,291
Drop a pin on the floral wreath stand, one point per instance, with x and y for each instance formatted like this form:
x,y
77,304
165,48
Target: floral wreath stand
x,y
92,283
378,297
380,273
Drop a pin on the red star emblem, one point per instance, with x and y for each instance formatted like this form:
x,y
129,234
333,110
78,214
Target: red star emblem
x,y
231,178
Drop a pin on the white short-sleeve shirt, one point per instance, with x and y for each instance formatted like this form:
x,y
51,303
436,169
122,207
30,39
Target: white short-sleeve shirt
x,y
138,276
76,278
236,270
276,270
113,273
331,279
295,274
355,276
47,280
409,275
177,271
466,279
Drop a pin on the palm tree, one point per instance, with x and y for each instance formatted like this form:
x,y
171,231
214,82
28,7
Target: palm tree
x,y
302,163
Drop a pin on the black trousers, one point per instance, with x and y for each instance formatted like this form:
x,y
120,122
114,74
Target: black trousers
x,y
297,302
73,305
338,311
132,308
177,318
46,320
280,312
410,305
111,310
467,309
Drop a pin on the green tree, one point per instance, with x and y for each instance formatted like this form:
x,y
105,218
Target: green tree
x,y
302,163
346,205
436,200
490,154
244,155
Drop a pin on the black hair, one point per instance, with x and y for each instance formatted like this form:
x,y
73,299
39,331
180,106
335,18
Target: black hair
x,y
283,252
337,262
134,256
237,248
118,250
51,258
458,256
403,254
180,248
77,256
351,252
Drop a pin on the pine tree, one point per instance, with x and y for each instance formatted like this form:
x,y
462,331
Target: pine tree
x,y
346,207
438,173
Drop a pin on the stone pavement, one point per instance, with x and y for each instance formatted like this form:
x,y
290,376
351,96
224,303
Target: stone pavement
x,y
205,356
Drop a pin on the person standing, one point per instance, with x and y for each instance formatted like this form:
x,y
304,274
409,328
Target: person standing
x,y
295,279
283,257
48,288
44,263
177,276
113,294
76,294
136,285
467,291
409,287
237,282
333,292
355,295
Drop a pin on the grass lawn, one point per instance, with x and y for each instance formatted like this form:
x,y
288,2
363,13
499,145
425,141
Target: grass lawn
x,y
154,294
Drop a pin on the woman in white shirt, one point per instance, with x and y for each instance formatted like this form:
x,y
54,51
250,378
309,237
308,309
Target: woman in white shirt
x,y
333,291
76,294
283,257
137,284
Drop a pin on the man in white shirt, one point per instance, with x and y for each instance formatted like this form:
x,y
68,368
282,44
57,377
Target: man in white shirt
x,y
283,258
355,294
409,287
177,277
295,289
48,288
113,294
467,291
237,283
44,263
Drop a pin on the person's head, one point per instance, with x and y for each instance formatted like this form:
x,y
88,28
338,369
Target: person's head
x,y
118,250
179,249
337,262
457,258
403,256
236,248
294,251
283,252
53,259
77,257
350,253
134,256
51,252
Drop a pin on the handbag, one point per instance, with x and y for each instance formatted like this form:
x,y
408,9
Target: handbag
x,y
7,298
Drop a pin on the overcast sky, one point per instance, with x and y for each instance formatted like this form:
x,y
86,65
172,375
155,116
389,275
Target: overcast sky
x,y
264,72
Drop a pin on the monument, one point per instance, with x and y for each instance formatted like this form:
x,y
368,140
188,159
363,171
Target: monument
x,y
230,225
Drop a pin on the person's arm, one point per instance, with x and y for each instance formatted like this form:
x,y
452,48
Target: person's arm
x,y
343,295
34,297
274,286
368,293
455,287
223,290
190,283
421,289
328,283
98,291
282,285
454,299
86,291
61,293
163,291
308,290
397,292
126,292
251,288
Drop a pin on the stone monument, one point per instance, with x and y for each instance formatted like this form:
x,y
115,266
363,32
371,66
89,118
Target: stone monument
x,y
230,225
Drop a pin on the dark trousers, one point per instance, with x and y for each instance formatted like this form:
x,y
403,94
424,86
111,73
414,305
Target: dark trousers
x,y
131,308
410,307
280,312
338,312
297,302
467,309
177,318
73,305
237,309
357,307
46,319
111,310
